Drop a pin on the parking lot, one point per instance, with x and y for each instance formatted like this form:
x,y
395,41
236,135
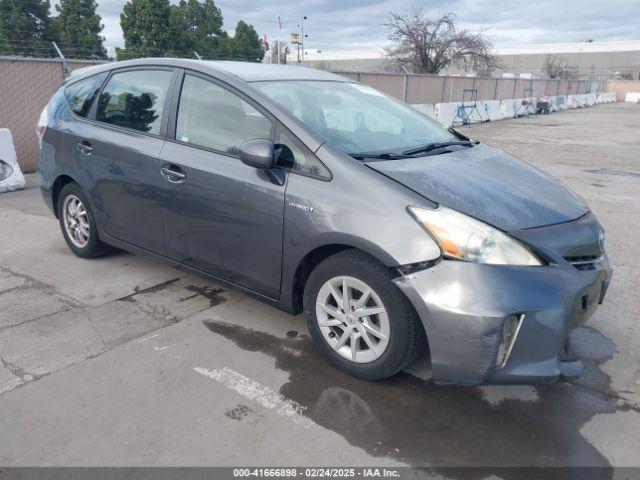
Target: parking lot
x,y
126,361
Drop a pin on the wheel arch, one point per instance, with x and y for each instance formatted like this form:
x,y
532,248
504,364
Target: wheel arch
x,y
57,187
319,253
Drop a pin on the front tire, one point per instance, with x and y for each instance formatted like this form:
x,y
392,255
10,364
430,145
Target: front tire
x,y
360,321
77,223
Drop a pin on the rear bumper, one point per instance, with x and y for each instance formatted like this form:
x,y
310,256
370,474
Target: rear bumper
x,y
463,307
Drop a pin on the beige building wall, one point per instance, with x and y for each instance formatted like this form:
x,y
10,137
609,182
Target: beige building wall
x,y
622,87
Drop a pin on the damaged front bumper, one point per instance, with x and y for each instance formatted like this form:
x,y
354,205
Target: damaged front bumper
x,y
503,324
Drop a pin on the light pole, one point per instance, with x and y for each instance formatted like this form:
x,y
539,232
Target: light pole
x,y
301,41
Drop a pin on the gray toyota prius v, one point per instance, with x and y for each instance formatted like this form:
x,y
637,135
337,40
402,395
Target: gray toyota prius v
x,y
393,233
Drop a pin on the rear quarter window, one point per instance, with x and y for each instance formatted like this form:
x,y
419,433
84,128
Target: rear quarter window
x,y
80,95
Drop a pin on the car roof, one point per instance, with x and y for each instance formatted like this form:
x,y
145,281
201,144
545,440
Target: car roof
x,y
246,71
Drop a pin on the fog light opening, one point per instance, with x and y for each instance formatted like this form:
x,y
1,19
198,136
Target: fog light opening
x,y
510,330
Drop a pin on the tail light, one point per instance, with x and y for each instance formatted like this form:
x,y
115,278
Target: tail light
x,y
41,127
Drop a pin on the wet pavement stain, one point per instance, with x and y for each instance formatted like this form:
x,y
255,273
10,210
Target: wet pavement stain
x,y
213,294
238,413
593,348
422,424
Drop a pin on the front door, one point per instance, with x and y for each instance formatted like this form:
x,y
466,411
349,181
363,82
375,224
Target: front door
x,y
220,215
121,148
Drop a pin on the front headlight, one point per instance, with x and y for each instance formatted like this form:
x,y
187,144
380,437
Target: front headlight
x,y
466,238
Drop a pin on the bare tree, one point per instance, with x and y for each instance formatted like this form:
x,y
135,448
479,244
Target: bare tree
x,y
284,50
556,66
428,45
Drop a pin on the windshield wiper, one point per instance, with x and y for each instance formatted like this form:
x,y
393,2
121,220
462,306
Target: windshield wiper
x,y
379,156
435,145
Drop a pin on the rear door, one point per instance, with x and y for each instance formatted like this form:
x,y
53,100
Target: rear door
x,y
221,215
120,149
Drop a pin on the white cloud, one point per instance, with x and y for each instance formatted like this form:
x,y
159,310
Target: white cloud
x,y
358,24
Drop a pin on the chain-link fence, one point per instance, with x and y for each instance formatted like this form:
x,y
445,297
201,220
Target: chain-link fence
x,y
26,85
416,89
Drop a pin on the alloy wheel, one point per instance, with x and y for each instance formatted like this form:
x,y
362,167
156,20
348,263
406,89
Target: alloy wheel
x,y
76,221
352,318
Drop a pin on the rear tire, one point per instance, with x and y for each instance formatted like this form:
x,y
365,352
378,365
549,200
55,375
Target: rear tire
x,y
77,223
375,308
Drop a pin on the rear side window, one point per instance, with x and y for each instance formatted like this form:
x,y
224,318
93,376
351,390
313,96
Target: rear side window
x,y
213,117
80,95
135,100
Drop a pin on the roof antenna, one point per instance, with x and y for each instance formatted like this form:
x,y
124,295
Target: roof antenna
x,y
197,56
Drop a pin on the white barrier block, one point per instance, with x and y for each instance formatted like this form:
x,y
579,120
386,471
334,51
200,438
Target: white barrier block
x,y
11,177
425,108
606,97
632,97
571,101
556,103
581,100
516,107
508,108
490,110
446,112
452,112
592,98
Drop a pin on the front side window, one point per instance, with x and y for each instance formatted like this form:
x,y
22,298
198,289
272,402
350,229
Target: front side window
x,y
135,100
355,118
80,95
212,117
291,154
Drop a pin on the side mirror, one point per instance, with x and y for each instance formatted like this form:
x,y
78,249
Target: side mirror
x,y
258,153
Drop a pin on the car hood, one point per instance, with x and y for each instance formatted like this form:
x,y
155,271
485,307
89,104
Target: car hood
x,y
488,184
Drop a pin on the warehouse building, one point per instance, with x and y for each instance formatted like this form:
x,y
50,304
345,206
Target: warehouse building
x,y
600,60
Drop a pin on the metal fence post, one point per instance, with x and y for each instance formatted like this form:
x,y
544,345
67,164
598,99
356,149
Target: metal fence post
x,y
495,89
65,66
405,88
405,84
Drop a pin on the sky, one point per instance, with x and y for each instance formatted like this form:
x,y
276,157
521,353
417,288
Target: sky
x,y
335,25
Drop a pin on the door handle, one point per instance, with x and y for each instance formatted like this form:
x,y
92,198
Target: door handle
x,y
85,148
173,174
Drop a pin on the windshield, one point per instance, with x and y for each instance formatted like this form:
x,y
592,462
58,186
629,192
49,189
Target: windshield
x,y
355,118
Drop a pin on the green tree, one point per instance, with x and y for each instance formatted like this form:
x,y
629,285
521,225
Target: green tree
x,y
156,28
26,28
244,45
146,29
78,27
197,27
